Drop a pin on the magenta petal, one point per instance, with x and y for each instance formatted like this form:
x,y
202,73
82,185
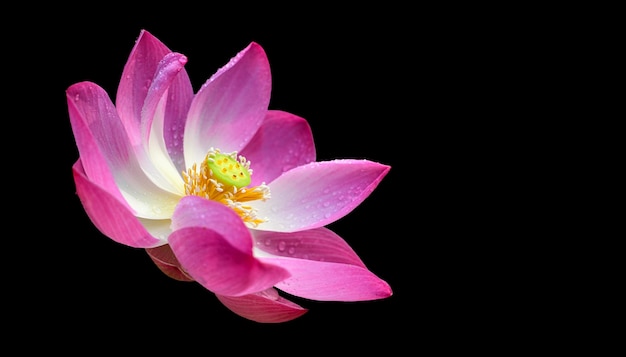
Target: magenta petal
x,y
164,124
266,306
317,194
110,215
136,79
157,162
230,106
283,141
98,133
107,157
215,247
179,97
168,69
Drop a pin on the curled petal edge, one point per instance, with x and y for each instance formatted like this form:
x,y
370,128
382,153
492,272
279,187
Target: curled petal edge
x,y
164,259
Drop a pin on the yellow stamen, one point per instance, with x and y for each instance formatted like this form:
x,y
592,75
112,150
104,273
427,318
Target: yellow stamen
x,y
222,178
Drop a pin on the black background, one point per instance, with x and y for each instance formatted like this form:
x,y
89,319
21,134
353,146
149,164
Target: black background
x,y
373,83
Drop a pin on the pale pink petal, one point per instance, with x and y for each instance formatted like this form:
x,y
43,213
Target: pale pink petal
x,y
109,214
164,259
266,307
230,106
283,141
106,155
137,76
322,266
317,194
215,248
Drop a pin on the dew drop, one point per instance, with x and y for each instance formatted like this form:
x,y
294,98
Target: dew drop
x,y
281,246
291,250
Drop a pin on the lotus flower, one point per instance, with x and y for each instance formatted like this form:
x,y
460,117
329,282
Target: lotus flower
x,y
217,188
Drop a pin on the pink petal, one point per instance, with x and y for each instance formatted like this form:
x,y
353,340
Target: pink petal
x,y
90,111
317,194
215,247
157,161
319,244
330,281
266,307
106,155
136,78
322,266
230,106
283,141
165,109
108,214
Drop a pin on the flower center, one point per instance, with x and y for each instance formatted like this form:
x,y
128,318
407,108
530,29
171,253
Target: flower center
x,y
224,178
227,169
